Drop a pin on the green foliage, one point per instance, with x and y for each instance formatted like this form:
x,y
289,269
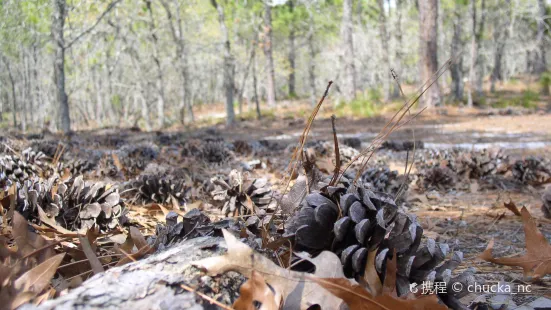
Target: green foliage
x,y
529,100
545,80
366,105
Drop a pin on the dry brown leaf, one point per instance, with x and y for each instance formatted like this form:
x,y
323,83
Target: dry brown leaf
x,y
116,161
135,256
35,280
358,298
536,263
297,291
28,242
256,289
138,238
389,286
91,255
512,206
325,164
371,277
50,222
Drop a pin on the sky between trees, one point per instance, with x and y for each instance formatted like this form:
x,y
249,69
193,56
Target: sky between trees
x,y
70,64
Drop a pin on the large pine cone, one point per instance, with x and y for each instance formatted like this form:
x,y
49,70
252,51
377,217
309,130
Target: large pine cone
x,y
208,151
134,158
48,147
477,164
532,170
74,204
440,177
382,179
19,169
160,188
352,220
233,194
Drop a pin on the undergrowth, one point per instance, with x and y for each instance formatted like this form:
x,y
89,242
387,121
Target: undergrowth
x,y
529,100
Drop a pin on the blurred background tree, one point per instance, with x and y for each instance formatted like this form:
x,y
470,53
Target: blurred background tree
x,y
74,64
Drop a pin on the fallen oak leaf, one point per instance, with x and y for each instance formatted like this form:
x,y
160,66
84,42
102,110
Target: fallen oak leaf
x,y
371,277
512,206
298,292
256,290
91,255
536,263
34,281
358,298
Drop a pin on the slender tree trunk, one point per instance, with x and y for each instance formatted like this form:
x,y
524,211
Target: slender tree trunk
x,y
255,88
292,55
245,76
350,84
270,70
386,51
456,68
58,24
26,91
398,52
158,66
38,103
312,67
228,65
428,25
540,66
501,35
13,93
476,71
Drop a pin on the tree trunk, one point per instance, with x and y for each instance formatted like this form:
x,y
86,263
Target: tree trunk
x,y
350,84
228,65
476,71
292,55
428,17
312,68
541,61
255,87
178,36
501,35
541,64
13,94
153,283
158,66
268,53
386,51
456,68
398,53
58,24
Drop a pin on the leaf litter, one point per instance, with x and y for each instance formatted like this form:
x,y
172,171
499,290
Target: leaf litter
x,y
30,243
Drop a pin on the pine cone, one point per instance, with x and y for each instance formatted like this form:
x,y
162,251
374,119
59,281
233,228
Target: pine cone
x,y
370,221
440,177
209,151
48,147
135,158
233,194
382,179
18,169
216,152
532,170
8,145
160,188
74,204
478,164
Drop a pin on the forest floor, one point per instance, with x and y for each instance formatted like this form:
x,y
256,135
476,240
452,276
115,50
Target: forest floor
x,y
466,215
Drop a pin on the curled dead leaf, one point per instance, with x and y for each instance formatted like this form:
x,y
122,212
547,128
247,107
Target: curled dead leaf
x,y
536,263
256,290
